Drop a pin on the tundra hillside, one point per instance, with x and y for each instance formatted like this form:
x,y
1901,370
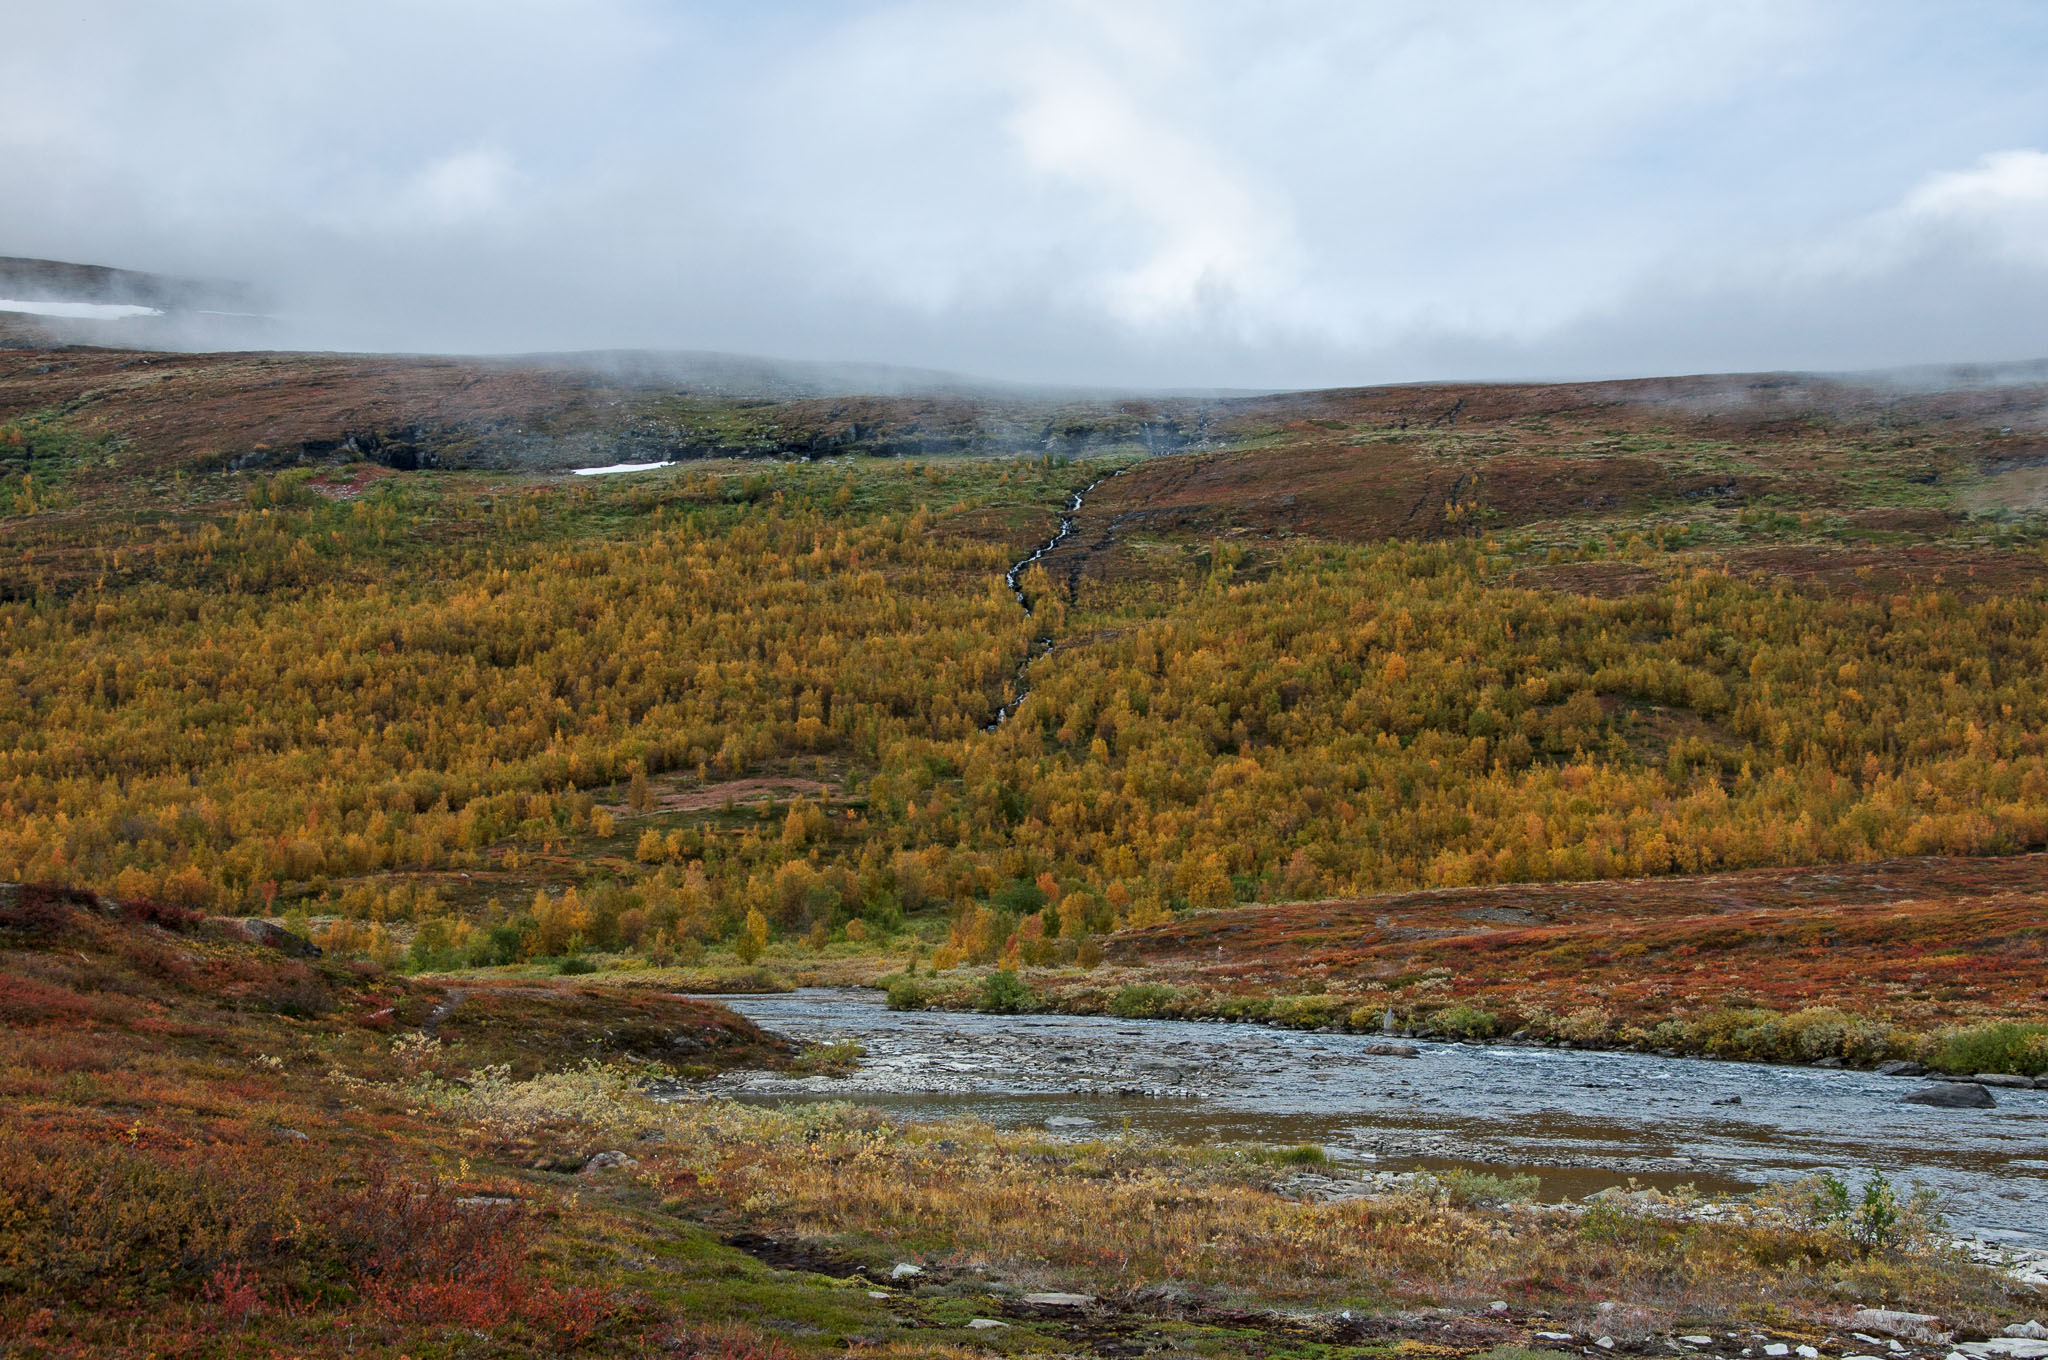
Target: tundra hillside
x,y
1554,710
343,661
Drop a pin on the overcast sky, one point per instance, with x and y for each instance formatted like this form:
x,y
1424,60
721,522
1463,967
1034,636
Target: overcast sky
x,y
1286,193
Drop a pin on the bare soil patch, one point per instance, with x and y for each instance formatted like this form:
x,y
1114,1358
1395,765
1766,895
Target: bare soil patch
x,y
709,797
1600,580
1970,573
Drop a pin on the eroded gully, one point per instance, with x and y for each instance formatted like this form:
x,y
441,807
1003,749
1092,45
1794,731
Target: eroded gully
x,y
1014,579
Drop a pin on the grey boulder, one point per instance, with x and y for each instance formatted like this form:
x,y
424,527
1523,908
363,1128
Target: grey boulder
x,y
1952,1095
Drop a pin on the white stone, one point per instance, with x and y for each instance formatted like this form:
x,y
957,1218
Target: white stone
x,y
986,1324
1808,1352
1777,1348
1894,1322
1060,1300
1605,1343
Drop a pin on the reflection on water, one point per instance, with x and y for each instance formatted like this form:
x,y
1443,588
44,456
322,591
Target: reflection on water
x,y
1581,1120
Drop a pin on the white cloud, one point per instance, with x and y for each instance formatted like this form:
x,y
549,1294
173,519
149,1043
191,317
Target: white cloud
x,y
1197,192
2001,201
463,189
1204,245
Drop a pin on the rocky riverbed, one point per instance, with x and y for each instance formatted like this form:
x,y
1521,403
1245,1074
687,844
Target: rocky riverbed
x,y
1583,1121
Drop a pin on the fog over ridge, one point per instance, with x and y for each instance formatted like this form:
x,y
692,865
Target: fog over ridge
x,y
1196,195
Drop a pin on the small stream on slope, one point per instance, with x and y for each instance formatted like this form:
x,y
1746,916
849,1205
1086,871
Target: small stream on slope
x,y
1014,577
1581,1120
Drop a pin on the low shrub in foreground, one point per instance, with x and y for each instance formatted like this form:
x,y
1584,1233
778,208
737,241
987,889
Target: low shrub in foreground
x,y
127,1224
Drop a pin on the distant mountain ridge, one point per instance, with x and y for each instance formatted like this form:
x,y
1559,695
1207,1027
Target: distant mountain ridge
x,y
31,280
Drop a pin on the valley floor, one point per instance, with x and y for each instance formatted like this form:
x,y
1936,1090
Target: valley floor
x,y
1693,716
215,1148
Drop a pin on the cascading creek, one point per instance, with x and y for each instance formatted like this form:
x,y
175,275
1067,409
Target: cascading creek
x,y
1014,577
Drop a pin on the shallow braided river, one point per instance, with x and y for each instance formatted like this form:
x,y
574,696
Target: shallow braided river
x,y
1582,1121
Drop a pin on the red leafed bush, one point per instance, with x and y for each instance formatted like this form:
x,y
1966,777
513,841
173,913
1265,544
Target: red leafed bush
x,y
30,1001
233,1290
118,1223
45,908
149,911
421,1257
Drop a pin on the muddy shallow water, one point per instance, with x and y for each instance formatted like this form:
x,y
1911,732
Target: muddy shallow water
x,y
1580,1120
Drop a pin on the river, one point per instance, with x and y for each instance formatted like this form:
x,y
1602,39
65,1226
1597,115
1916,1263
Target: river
x,y
1580,1120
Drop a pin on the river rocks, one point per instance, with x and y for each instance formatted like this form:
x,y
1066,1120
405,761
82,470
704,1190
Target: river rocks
x,y
1160,1070
1893,1322
1952,1095
1386,1050
1167,1298
2004,1079
1900,1067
